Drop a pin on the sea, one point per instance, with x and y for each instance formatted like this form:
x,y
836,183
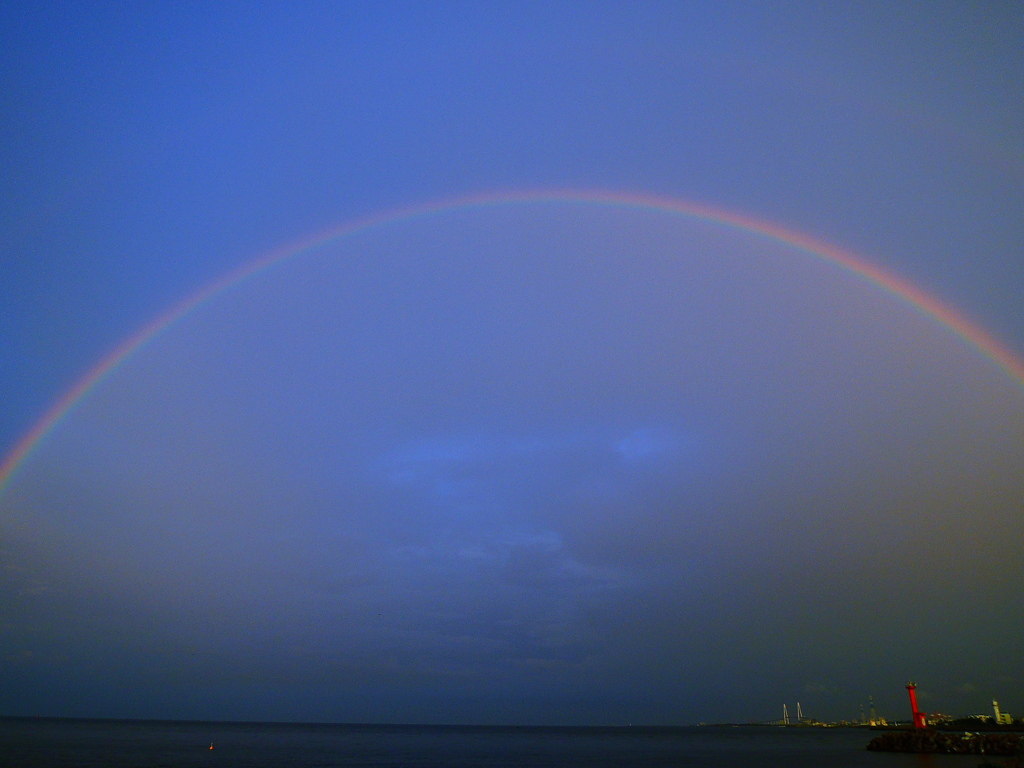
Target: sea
x,y
31,742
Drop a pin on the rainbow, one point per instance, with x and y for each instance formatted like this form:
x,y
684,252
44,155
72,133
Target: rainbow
x,y
973,334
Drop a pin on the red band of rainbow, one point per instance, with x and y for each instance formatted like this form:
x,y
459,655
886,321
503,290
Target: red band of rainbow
x,y
973,334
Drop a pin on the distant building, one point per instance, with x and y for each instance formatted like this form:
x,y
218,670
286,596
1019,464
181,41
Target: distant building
x,y
1002,718
873,718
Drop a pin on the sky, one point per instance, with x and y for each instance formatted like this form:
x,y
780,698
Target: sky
x,y
522,447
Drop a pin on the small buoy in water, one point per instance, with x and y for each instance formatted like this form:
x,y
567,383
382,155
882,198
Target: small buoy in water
x,y
211,745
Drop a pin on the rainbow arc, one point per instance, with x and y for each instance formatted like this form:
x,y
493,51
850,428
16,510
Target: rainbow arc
x,y
905,291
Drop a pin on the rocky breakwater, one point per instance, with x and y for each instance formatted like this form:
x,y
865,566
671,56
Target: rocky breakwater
x,y
927,740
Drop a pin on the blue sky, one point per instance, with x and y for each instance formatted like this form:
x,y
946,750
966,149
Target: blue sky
x,y
534,463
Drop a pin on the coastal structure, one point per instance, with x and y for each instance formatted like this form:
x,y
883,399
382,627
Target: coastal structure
x,y
873,718
922,722
1002,718
920,718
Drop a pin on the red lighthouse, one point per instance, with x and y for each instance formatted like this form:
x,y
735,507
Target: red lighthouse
x,y
920,718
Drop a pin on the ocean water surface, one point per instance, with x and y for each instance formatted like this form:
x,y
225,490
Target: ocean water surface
x,y
86,743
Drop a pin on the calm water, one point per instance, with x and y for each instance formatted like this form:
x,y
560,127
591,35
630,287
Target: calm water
x,y
86,743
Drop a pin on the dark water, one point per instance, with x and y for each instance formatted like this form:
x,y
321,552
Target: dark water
x,y
116,743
